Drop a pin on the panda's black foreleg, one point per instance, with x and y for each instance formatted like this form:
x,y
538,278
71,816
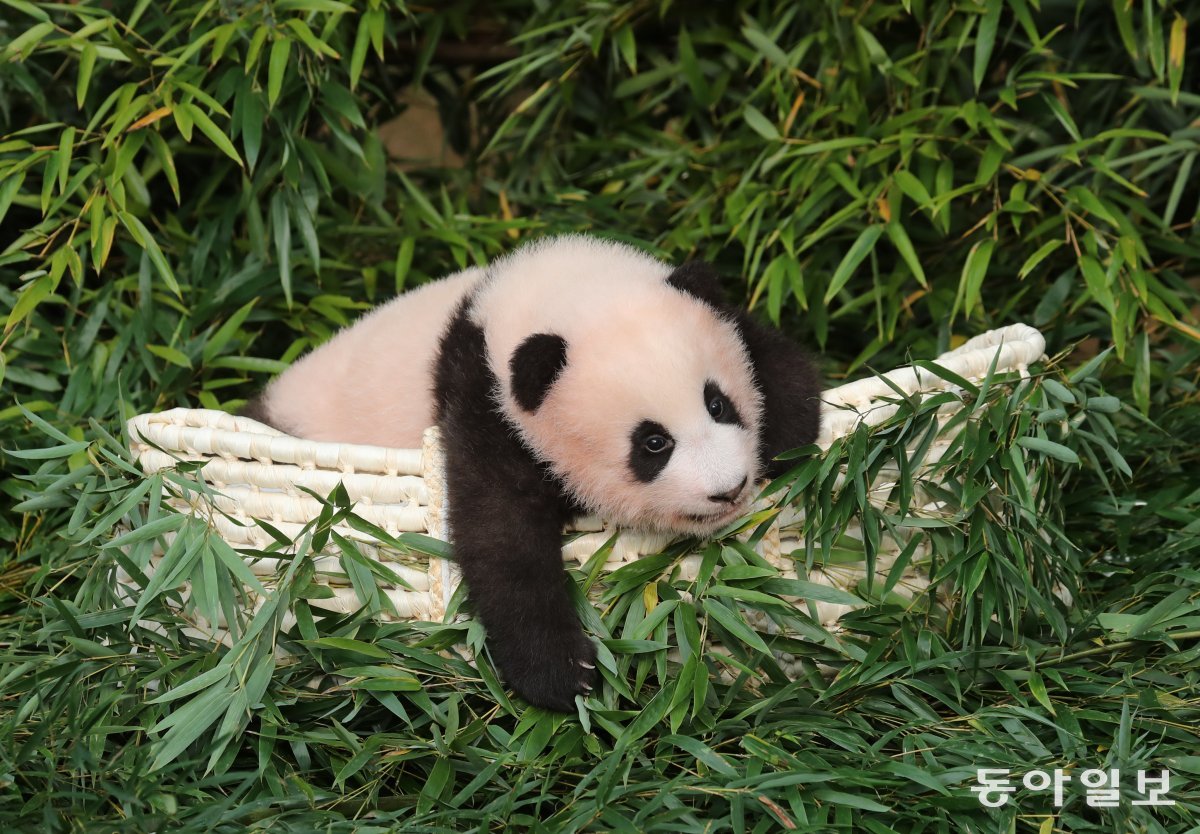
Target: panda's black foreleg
x,y
505,516
508,546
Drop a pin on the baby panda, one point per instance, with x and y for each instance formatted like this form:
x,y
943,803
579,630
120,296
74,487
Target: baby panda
x,y
573,375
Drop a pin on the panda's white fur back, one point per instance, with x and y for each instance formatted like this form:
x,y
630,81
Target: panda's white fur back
x,y
372,382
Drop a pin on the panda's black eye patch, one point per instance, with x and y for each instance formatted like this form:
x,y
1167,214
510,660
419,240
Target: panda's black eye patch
x,y
718,405
651,446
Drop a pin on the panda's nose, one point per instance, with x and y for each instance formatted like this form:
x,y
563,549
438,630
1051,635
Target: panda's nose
x,y
730,496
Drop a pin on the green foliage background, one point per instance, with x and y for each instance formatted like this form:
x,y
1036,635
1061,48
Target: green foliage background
x,y
193,193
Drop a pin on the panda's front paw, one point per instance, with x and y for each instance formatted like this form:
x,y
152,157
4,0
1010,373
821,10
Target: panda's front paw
x,y
550,671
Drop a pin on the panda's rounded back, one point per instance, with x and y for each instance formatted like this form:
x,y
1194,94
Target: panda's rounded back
x,y
372,382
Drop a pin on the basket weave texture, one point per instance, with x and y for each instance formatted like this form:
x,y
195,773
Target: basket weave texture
x,y
257,472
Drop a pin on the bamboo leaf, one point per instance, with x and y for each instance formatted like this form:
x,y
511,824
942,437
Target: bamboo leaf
x,y
18,48
858,251
214,133
281,233
358,55
172,355
1097,283
985,41
760,123
735,625
1037,257
226,331
10,186
1175,55
250,124
627,45
146,240
1049,448
27,8
767,47
1064,118
913,188
277,65
167,160
32,295
346,644
899,238
970,285
187,725
1123,12
66,147
321,6
309,39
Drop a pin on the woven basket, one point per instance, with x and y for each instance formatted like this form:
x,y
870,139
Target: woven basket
x,y
257,472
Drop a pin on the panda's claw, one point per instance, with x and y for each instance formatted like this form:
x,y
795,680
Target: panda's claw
x,y
549,669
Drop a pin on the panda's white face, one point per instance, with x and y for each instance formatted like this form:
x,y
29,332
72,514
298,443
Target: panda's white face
x,y
652,420
700,474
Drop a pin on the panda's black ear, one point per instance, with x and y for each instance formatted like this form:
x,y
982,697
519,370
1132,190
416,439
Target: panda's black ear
x,y
699,279
534,366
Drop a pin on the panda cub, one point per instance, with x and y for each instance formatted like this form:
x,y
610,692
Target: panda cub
x,y
573,375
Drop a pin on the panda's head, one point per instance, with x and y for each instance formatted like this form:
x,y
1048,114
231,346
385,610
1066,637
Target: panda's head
x,y
648,412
